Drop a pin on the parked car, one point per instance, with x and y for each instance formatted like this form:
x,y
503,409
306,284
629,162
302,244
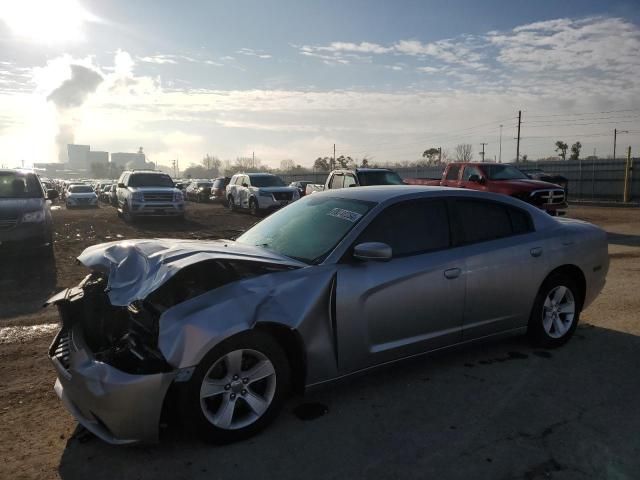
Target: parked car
x,y
198,191
105,193
25,216
361,177
219,189
259,192
148,193
500,178
81,196
301,185
381,274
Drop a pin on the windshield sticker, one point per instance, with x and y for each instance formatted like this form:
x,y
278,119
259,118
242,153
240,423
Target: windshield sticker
x,y
345,214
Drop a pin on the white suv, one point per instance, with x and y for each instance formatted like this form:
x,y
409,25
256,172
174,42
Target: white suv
x,y
147,193
259,192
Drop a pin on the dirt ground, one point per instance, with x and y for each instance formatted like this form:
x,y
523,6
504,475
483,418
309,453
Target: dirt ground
x,y
500,410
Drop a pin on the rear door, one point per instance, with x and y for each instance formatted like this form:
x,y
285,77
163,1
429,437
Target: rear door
x,y
408,305
503,264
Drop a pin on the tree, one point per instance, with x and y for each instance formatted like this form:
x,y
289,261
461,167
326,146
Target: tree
x,y
322,164
364,163
561,148
345,162
525,157
464,152
212,164
432,155
575,151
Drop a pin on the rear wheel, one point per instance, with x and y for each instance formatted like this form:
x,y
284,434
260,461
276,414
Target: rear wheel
x,y
230,204
126,214
238,388
556,311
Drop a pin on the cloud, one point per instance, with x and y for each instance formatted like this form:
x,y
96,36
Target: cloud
x,y
597,43
253,53
363,47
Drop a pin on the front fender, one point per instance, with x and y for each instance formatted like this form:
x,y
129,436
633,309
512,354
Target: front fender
x,y
298,299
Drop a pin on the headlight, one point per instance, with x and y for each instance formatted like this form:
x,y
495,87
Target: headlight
x,y
33,217
137,197
177,196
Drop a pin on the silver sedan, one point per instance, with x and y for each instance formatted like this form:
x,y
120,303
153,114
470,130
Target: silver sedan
x,y
337,283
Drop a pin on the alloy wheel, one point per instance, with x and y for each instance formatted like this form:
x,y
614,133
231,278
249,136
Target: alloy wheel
x,y
558,311
238,389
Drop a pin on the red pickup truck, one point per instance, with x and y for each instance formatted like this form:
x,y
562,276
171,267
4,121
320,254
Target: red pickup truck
x,y
499,178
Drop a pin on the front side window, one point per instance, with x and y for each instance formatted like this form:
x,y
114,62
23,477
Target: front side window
x,y
453,172
324,220
470,170
411,228
348,181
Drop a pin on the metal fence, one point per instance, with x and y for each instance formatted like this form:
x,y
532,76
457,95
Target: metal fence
x,y
588,179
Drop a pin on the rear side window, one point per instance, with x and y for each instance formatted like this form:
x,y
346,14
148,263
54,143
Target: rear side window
x,y
453,172
481,221
411,228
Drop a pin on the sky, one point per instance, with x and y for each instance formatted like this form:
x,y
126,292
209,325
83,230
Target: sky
x,y
289,79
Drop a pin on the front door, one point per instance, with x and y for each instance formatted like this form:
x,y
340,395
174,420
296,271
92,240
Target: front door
x,y
410,304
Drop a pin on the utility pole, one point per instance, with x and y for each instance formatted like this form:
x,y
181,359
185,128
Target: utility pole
x,y
439,154
500,154
518,144
333,162
482,152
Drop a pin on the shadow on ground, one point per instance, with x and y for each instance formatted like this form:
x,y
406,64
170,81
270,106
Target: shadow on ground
x,y
499,410
27,280
624,239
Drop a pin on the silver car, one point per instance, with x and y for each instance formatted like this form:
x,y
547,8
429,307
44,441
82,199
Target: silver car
x,y
334,284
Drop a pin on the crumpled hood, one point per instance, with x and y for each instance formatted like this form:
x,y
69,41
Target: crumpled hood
x,y
138,267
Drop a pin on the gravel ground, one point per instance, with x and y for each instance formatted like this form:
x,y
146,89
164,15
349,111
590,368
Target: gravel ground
x,y
500,410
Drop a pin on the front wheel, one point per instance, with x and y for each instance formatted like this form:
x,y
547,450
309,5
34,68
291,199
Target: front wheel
x,y
238,388
253,207
556,312
230,204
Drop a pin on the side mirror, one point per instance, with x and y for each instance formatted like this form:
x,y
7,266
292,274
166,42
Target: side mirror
x,y
245,185
376,251
52,194
121,185
353,185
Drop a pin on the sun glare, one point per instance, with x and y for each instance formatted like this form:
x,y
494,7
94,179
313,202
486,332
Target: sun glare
x,y
45,21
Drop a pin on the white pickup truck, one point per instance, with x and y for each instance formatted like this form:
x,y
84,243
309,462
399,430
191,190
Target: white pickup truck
x,y
358,177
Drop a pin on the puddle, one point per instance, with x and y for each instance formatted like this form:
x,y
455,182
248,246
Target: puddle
x,y
17,334
310,411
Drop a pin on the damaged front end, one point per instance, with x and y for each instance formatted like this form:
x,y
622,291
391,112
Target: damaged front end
x,y
112,374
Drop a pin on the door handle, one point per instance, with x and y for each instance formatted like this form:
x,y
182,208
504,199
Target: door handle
x,y
452,273
536,252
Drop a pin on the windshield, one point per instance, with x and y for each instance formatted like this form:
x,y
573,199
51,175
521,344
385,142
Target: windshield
x,y
503,172
308,229
80,189
380,177
18,185
267,181
204,184
150,180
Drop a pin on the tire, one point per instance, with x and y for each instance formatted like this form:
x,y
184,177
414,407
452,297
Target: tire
x,y
230,204
556,312
253,207
227,416
126,214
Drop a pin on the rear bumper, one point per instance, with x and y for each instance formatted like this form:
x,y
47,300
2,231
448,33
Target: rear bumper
x,y
118,407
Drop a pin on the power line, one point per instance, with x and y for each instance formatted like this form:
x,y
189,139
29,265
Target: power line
x,y
583,113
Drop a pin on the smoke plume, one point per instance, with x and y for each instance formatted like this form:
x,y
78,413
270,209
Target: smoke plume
x,y
71,94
